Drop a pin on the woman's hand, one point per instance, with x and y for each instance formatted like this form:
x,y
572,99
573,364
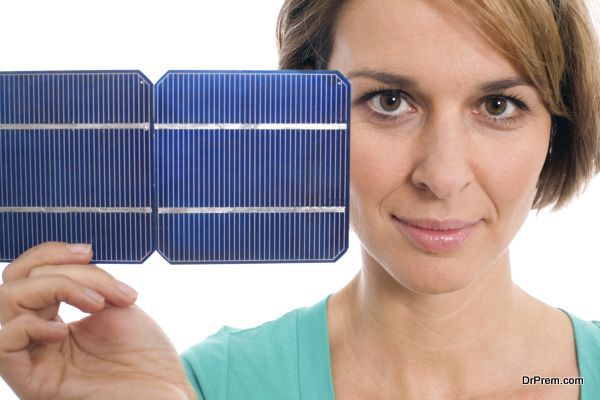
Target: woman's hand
x,y
118,352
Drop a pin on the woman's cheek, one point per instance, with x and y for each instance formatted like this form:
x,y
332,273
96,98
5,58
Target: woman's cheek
x,y
510,182
360,184
374,174
361,177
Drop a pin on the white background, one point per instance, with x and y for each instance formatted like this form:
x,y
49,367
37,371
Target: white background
x,y
555,256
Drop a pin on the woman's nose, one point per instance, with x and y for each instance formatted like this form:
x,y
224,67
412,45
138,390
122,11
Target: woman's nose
x,y
443,160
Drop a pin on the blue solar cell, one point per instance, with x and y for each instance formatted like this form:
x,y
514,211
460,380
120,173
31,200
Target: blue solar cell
x,y
76,162
252,166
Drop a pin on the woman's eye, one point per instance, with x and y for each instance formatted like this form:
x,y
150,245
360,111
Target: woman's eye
x,y
499,107
390,104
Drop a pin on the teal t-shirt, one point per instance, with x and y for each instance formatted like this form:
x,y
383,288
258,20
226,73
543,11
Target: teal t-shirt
x,y
288,359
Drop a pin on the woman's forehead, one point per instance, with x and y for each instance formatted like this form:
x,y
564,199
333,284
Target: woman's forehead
x,y
418,38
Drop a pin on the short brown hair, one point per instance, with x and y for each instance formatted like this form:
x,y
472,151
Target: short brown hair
x,y
553,41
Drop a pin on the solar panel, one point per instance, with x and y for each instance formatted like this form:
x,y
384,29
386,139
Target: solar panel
x,y
233,167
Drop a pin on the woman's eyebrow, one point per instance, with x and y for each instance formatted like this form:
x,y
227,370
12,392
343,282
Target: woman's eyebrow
x,y
503,84
391,78
384,77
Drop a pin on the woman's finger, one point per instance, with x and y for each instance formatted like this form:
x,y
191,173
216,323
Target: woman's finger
x,y
115,292
29,296
19,333
16,337
48,253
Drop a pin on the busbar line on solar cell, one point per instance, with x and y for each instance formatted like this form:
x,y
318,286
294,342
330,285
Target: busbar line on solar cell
x,y
51,127
232,126
247,210
76,163
142,210
263,143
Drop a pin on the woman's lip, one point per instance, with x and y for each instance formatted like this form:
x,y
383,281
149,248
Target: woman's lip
x,y
436,225
437,236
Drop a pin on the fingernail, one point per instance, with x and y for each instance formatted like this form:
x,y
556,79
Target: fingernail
x,y
79,248
93,295
126,289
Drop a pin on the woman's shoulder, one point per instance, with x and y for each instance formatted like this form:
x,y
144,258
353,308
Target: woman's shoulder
x,y
258,360
587,335
587,341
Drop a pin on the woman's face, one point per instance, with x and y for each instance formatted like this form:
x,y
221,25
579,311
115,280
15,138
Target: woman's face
x,y
447,133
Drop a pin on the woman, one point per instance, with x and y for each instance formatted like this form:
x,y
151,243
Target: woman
x,y
465,116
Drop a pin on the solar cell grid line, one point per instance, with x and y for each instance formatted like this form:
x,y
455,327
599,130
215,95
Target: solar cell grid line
x,y
52,127
249,124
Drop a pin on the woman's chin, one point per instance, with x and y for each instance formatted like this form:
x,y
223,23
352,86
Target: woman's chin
x,y
427,274
432,279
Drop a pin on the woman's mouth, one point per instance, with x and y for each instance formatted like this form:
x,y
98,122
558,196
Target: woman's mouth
x,y
436,236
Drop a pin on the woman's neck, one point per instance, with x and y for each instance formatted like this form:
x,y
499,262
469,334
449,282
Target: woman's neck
x,y
481,335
